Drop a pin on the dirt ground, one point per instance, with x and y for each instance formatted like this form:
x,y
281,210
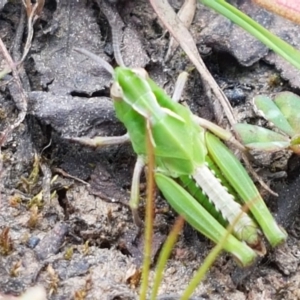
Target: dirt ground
x,y
64,216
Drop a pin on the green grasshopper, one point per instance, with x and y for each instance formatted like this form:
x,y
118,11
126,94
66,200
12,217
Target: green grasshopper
x,y
284,113
185,152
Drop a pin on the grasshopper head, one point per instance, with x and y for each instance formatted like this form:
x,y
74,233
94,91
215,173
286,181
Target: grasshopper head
x,y
124,77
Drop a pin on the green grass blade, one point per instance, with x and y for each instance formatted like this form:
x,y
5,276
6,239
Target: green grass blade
x,y
259,138
265,36
148,219
210,258
165,254
274,112
289,105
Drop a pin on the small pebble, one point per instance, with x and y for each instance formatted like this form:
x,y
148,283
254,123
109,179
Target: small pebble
x,y
33,241
236,96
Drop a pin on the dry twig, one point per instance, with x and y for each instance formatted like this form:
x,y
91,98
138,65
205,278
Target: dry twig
x,y
22,104
33,13
186,16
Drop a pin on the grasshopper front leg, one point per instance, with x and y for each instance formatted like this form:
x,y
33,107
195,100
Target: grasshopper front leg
x,y
139,165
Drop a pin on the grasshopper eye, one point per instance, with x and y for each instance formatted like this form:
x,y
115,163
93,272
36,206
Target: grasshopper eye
x,y
141,73
116,92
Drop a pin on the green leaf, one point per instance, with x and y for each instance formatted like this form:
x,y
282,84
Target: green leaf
x,y
274,113
259,138
289,104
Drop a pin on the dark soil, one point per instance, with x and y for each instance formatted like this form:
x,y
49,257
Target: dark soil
x,y
82,241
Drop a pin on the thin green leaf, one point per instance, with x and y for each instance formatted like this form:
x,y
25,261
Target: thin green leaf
x,y
265,36
211,258
165,254
149,218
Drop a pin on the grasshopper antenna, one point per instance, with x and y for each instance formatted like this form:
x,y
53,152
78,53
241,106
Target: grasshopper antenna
x,y
116,45
97,59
